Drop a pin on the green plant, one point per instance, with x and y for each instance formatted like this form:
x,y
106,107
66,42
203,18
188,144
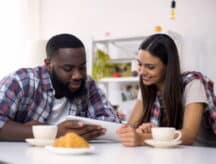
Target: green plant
x,y
100,65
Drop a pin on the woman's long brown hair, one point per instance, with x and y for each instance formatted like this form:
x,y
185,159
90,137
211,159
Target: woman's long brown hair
x,y
163,47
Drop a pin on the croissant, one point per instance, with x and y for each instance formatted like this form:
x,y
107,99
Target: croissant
x,y
71,140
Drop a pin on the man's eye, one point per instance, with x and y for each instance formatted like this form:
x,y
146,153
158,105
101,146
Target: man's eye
x,y
82,68
67,69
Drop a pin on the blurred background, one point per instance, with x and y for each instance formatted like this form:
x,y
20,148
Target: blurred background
x,y
26,25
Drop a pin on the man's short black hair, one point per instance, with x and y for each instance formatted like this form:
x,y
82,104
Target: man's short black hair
x,y
62,41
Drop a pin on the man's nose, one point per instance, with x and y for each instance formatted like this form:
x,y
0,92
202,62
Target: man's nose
x,y
76,74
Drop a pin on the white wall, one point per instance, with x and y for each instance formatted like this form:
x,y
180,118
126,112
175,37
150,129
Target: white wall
x,y
19,34
25,24
89,19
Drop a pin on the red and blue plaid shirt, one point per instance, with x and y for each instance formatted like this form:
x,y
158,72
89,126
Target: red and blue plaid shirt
x,y
28,95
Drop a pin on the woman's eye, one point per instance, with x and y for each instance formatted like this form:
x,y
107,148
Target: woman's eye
x,y
151,66
139,64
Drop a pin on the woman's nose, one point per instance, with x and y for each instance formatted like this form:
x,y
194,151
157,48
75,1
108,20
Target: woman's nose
x,y
142,70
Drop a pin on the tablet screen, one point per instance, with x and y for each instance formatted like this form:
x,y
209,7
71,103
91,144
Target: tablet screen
x,y
110,127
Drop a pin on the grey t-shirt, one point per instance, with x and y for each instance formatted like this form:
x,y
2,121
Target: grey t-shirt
x,y
195,93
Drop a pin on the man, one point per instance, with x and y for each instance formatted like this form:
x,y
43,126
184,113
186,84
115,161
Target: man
x,y
47,94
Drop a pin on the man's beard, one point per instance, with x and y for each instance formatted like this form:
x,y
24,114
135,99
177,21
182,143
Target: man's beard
x,y
62,89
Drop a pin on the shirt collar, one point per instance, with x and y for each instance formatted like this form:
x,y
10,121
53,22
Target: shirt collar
x,y
45,79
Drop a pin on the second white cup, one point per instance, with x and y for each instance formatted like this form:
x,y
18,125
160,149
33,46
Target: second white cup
x,y
166,134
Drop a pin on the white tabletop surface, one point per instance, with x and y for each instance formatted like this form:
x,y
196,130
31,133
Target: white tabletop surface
x,y
108,153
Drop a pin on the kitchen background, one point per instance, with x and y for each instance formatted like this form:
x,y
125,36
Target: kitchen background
x,y
27,24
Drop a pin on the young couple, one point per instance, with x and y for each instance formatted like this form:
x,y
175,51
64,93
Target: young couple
x,y
46,94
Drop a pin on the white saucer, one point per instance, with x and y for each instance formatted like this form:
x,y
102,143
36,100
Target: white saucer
x,y
162,144
59,150
38,142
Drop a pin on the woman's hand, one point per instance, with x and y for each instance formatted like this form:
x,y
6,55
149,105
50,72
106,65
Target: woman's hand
x,y
129,137
145,128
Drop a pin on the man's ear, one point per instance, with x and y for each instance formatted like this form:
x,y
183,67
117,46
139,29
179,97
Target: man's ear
x,y
47,63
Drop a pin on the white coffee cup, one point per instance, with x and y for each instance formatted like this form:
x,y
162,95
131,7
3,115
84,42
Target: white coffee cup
x,y
44,132
165,134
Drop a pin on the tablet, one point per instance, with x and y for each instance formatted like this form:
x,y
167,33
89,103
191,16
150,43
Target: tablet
x,y
110,127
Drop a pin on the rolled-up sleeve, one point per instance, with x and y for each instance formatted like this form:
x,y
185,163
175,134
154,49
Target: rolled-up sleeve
x,y
9,91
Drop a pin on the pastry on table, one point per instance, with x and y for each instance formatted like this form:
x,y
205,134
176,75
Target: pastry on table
x,y
71,140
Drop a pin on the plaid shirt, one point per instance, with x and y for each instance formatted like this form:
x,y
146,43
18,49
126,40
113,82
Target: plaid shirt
x,y
28,95
210,110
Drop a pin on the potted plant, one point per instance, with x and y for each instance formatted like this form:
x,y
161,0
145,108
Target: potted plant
x,y
100,65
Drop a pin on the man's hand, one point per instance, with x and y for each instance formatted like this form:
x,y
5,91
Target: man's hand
x,y
33,122
85,130
13,131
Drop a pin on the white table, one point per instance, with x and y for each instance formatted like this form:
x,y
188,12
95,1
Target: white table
x,y
108,153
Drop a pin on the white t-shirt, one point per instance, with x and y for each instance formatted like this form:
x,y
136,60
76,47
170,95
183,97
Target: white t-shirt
x,y
58,112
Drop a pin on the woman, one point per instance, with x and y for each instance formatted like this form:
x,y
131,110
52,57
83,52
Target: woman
x,y
168,98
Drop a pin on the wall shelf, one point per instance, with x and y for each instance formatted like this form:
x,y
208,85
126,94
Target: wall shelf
x,y
123,50
119,80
